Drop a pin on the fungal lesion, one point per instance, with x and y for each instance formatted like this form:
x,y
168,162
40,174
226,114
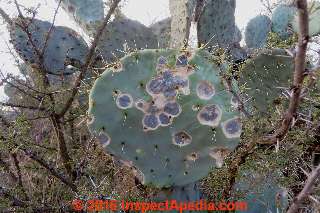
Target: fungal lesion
x,y
124,101
219,154
164,89
150,122
181,138
232,127
205,90
210,115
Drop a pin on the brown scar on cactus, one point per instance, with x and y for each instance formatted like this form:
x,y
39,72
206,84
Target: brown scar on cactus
x,y
219,154
210,115
232,127
124,101
181,138
192,157
205,90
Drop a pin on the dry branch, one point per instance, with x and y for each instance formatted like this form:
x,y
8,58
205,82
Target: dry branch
x,y
299,71
89,58
307,189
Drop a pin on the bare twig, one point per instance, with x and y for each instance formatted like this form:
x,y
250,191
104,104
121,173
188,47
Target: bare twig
x,y
298,72
18,9
5,16
63,150
50,169
22,106
89,57
50,30
241,108
307,189
16,163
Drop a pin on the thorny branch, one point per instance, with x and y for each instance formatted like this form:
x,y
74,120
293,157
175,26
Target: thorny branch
x,y
64,154
298,76
50,30
22,106
89,58
307,189
50,169
5,16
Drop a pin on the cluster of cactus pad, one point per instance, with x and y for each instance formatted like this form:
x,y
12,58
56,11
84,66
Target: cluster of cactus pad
x,y
283,22
166,112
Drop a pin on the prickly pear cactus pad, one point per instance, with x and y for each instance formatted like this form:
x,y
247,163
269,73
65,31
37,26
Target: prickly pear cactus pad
x,y
217,23
63,43
257,31
162,30
166,113
87,13
262,192
123,35
265,76
281,19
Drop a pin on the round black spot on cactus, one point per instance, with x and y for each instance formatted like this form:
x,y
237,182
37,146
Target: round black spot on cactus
x,y
150,122
172,108
205,90
165,120
181,139
124,101
210,115
232,128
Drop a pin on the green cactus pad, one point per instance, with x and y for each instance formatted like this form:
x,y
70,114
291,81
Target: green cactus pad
x,y
216,25
263,76
162,30
123,35
262,192
148,112
62,44
87,13
181,13
257,31
281,19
